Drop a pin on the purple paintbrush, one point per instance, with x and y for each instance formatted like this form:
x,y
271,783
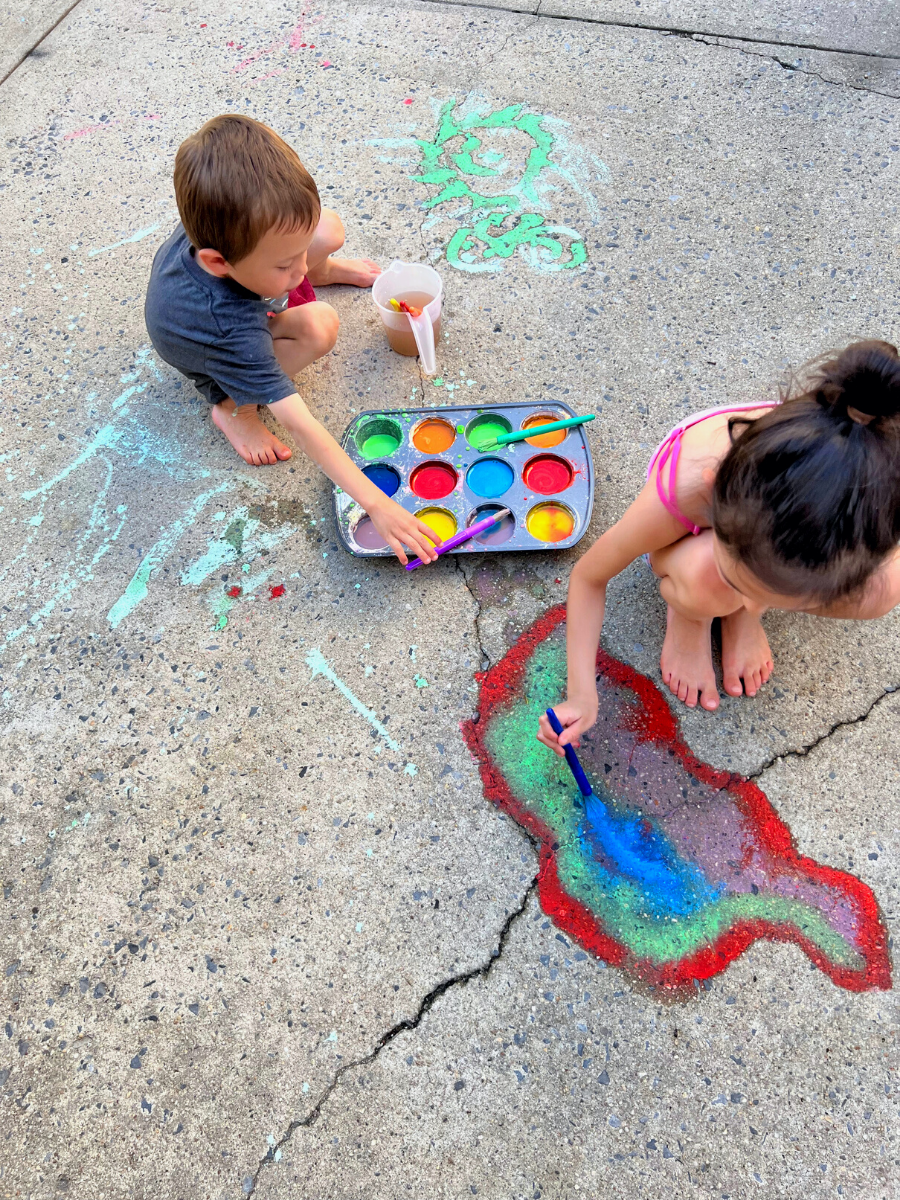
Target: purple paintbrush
x,y
463,536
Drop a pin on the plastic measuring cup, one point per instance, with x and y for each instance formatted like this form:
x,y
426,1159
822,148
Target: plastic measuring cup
x,y
399,281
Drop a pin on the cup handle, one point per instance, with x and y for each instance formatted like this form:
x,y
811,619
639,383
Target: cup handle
x,y
423,332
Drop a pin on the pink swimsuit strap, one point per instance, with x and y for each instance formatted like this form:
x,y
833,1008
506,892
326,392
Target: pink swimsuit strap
x,y
669,450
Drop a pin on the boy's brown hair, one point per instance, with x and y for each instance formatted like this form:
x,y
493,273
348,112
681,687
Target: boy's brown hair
x,y
234,180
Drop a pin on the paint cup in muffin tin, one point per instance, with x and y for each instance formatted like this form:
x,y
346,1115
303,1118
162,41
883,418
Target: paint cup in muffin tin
x,y
429,460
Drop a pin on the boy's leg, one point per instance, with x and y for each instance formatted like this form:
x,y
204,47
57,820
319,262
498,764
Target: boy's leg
x,y
322,269
301,335
694,593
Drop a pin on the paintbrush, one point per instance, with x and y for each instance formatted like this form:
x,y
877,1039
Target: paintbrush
x,y
633,844
463,536
521,435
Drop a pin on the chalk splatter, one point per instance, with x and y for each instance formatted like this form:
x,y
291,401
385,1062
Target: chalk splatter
x,y
695,865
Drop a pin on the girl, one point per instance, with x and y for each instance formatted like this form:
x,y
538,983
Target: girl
x,y
793,505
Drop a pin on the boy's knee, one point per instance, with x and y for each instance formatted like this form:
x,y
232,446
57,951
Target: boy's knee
x,y
324,329
331,228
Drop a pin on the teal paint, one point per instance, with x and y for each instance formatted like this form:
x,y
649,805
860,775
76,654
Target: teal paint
x,y
105,437
135,237
137,588
319,665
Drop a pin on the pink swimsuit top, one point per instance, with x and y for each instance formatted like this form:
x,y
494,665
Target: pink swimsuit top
x,y
670,448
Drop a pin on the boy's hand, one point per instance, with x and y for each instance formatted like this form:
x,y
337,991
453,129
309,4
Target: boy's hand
x,y
575,716
400,528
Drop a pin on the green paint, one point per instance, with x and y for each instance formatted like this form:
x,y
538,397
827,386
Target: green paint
x,y
379,445
484,431
421,681
543,784
468,174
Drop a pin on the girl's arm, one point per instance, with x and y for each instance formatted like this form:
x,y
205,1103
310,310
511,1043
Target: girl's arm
x,y
397,526
645,526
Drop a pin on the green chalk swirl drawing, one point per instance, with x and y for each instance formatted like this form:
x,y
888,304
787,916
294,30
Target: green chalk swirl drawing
x,y
499,172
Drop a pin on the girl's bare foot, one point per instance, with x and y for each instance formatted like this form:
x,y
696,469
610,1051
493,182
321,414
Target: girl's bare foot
x,y
686,661
246,432
745,654
359,272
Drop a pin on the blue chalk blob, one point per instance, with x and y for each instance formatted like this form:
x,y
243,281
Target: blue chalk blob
x,y
640,852
490,477
383,477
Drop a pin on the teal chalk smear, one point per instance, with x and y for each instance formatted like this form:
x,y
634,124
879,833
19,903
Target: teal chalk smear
x,y
137,588
542,783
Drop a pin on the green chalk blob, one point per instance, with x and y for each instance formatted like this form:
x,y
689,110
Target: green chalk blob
x,y
380,445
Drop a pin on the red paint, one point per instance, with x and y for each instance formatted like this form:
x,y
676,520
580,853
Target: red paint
x,y
653,721
547,474
233,592
433,480
276,591
407,101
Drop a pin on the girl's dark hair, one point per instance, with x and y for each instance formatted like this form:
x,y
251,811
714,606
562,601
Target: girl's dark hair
x,y
808,496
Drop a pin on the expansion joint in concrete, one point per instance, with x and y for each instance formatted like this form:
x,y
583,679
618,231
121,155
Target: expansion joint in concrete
x,y
405,1026
803,751
648,27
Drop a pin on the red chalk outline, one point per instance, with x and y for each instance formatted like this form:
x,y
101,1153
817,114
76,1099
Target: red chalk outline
x,y
653,721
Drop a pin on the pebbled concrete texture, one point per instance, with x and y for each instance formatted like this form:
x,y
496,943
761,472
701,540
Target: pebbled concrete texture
x,y
550,1076
227,881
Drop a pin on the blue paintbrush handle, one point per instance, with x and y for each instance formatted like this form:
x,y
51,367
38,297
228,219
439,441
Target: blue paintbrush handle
x,y
571,757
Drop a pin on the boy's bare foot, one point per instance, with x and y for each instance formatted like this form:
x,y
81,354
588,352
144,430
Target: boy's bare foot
x,y
686,661
246,432
359,272
745,654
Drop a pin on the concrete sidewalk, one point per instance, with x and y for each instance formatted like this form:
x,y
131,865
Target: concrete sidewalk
x,y
254,933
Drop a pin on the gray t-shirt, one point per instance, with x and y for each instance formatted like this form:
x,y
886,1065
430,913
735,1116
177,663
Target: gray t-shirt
x,y
213,330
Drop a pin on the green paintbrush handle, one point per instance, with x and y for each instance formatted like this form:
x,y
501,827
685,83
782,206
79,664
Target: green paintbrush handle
x,y
521,434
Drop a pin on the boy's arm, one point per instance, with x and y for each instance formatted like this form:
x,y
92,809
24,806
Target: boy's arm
x,y
644,527
397,526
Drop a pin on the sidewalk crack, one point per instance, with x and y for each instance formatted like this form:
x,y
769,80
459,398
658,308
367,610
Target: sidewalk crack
x,y
479,637
805,750
404,1026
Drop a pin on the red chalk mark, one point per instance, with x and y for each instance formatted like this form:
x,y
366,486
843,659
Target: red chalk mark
x,y
291,42
233,592
276,591
407,101
202,26
326,63
654,722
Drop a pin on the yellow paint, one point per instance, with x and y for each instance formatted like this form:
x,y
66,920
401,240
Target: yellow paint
x,y
549,522
439,521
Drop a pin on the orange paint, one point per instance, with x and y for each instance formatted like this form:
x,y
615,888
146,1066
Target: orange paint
x,y
544,440
433,436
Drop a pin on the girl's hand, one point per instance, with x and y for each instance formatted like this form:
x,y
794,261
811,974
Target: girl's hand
x,y
399,527
575,716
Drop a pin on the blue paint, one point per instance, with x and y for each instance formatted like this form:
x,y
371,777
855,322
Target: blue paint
x,y
639,851
489,477
383,477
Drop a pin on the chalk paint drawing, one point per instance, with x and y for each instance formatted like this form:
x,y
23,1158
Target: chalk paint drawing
x,y
319,665
498,171
715,868
31,590
292,41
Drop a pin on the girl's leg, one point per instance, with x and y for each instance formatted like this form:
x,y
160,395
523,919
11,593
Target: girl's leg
x,y
695,594
322,269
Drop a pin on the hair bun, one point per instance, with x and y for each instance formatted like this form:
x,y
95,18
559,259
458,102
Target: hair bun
x,y
862,384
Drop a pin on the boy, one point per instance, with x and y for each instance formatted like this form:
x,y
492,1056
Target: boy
x,y
253,236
